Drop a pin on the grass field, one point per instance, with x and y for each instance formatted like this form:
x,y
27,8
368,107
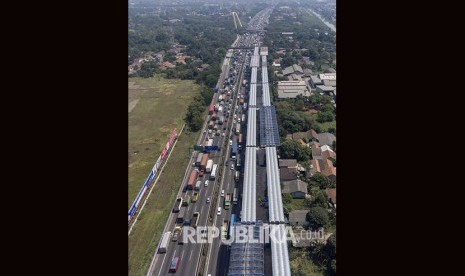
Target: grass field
x,y
161,107
296,204
146,233
326,125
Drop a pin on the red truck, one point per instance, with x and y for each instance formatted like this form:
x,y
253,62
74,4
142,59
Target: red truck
x,y
203,164
192,179
212,109
242,101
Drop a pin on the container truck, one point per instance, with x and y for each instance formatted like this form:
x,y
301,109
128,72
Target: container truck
x,y
199,159
238,129
240,141
213,174
208,169
181,214
176,233
204,161
227,201
221,120
234,151
164,242
192,178
177,205
197,185
186,200
195,218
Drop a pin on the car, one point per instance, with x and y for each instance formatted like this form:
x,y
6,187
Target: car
x,y
222,192
219,211
223,133
230,142
175,264
206,183
208,199
232,166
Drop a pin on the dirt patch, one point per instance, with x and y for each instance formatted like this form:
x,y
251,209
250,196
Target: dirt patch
x,y
132,104
312,111
132,85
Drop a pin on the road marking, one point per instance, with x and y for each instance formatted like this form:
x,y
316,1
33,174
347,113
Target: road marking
x,y
190,256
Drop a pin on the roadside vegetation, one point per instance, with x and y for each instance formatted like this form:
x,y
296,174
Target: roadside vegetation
x,y
158,105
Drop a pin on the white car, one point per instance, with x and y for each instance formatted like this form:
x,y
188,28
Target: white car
x,y
230,142
206,183
222,134
232,166
219,211
222,192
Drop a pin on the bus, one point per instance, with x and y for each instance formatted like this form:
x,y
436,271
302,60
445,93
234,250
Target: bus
x,y
238,162
235,196
240,140
213,174
164,242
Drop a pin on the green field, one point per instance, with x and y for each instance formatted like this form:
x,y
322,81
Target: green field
x,y
160,108
296,204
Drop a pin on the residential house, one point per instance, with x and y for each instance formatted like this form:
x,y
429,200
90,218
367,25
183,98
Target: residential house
x,y
326,138
287,163
329,83
297,188
298,218
315,80
290,89
309,135
307,72
323,152
287,174
324,166
328,90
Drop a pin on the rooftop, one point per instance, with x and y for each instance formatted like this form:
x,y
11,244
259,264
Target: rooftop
x,y
298,216
287,163
294,186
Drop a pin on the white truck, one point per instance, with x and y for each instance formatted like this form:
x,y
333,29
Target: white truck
x,y
209,166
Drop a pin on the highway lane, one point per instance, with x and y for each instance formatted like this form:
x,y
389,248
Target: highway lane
x,y
218,255
188,252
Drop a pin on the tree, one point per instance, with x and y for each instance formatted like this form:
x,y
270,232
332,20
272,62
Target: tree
x,y
325,116
318,217
287,198
332,268
321,199
293,150
320,180
330,248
